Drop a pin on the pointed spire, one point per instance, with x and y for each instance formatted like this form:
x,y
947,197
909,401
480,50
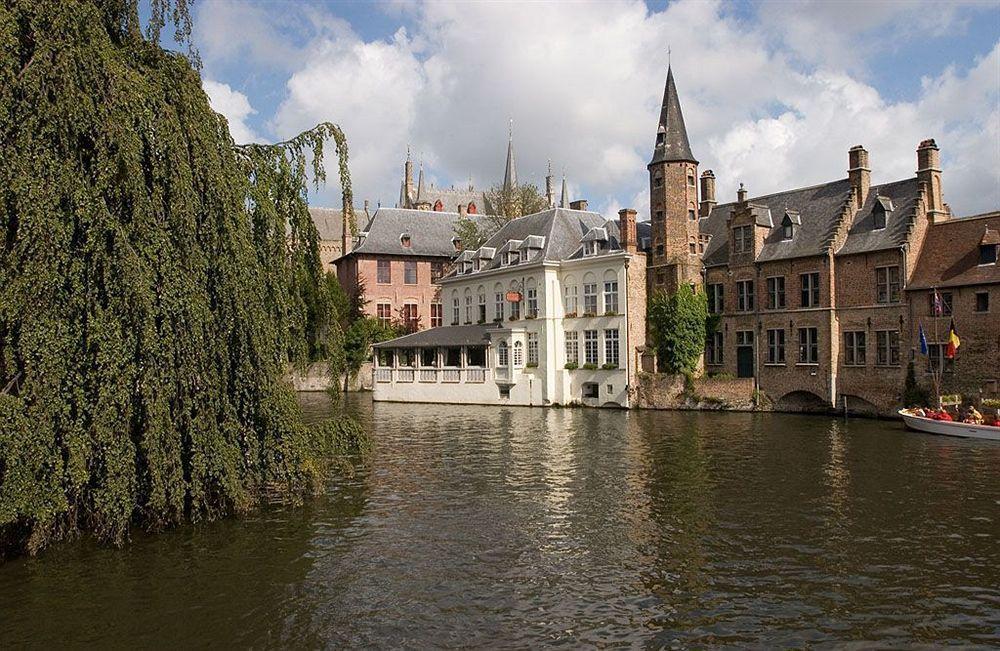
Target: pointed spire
x,y
550,196
402,195
510,174
564,199
671,137
420,183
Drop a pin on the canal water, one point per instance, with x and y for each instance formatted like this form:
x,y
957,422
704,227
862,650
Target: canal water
x,y
495,527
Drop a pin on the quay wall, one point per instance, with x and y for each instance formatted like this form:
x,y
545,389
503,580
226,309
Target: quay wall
x,y
666,391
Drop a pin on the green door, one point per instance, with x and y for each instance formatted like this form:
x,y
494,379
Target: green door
x,y
744,361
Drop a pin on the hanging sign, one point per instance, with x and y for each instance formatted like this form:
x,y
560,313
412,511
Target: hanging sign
x,y
514,297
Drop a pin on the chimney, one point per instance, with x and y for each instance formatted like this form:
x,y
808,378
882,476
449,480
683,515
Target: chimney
x,y
408,178
367,215
579,204
461,210
929,176
859,173
707,193
741,194
626,228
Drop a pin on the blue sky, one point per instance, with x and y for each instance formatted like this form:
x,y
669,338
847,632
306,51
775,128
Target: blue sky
x,y
773,93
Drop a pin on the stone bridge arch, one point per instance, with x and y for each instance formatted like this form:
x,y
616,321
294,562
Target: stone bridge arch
x,y
801,401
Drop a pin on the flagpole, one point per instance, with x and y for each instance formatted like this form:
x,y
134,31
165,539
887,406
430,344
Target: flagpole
x,y
936,369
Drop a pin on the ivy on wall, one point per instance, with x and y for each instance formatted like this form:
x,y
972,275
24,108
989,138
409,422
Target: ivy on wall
x,y
678,323
155,282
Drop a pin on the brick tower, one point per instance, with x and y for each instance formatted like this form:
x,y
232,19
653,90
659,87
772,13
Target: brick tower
x,y
673,199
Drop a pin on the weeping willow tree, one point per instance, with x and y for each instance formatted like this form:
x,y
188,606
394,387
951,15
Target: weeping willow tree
x,y
155,282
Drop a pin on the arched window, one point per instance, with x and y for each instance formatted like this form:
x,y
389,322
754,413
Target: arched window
x,y
691,178
468,305
456,309
518,354
471,208
498,302
692,246
482,304
570,304
438,206
502,354
610,292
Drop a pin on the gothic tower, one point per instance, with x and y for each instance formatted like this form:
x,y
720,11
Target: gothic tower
x,y
673,199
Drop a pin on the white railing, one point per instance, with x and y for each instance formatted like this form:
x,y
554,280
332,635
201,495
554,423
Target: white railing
x,y
383,375
451,375
404,375
428,375
477,375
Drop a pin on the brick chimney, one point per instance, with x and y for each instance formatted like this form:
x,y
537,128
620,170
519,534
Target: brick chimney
x,y
929,175
626,227
859,173
579,204
741,194
707,193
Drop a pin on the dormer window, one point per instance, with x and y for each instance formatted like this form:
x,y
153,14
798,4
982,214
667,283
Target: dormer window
x,y
883,206
788,224
988,254
787,230
404,239
661,137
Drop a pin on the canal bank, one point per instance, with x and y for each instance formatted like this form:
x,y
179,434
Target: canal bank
x,y
508,527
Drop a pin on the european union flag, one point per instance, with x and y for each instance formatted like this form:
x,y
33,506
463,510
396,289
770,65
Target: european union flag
x,y
923,341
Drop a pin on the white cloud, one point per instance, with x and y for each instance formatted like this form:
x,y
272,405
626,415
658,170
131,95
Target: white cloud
x,y
235,106
773,100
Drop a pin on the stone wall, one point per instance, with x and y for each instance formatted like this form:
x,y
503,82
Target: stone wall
x,y
665,391
317,378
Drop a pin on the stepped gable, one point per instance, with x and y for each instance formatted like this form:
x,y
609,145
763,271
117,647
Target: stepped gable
x,y
431,233
899,200
950,255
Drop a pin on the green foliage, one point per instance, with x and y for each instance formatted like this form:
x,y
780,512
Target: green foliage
x,y
589,366
470,234
155,281
914,395
502,205
571,366
358,341
677,324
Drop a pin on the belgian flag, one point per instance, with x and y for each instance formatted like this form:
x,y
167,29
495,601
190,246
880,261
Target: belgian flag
x,y
953,341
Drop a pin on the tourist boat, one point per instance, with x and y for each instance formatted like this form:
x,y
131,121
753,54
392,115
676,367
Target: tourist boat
x,y
949,428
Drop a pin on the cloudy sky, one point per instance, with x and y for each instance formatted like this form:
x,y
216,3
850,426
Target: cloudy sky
x,y
774,94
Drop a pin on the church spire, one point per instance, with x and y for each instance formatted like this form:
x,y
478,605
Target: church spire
x,y
510,174
671,137
564,199
420,184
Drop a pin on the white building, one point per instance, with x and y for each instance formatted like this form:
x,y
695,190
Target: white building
x,y
549,311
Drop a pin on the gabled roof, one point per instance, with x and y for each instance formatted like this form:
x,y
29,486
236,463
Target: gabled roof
x,y
899,200
674,145
329,222
950,255
431,233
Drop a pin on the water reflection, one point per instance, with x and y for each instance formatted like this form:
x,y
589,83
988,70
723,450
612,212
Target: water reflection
x,y
525,527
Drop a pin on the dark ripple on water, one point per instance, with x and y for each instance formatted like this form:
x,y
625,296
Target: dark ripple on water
x,y
490,527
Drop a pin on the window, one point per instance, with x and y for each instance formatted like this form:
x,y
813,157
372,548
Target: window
x,y
690,179
532,349
611,296
453,356
518,354
776,293
715,301
658,180
498,306
515,310
410,317
571,302
532,294
692,246
787,230
590,347
808,346
384,272
743,239
658,216
590,389
878,217
692,215
659,250
456,311
428,356
887,348
937,358
809,285
982,301
611,347
776,346
482,305
437,270
854,348
572,347
468,307
410,272
503,354
384,313
744,337
887,284
944,304
590,298
437,315
988,253
713,348
475,356
744,295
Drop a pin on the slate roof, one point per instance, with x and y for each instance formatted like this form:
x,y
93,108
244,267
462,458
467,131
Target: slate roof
x,y
460,335
950,255
329,221
430,232
675,145
899,199
452,198
562,229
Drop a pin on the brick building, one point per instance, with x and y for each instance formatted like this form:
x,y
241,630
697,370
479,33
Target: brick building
x,y
816,287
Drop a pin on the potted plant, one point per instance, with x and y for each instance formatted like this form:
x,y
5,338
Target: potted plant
x,y
590,367
571,366
609,366
570,315
531,365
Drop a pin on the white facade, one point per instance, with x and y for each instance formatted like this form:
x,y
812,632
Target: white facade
x,y
564,342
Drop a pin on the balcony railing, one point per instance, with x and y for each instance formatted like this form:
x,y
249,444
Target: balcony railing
x,y
474,375
383,375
